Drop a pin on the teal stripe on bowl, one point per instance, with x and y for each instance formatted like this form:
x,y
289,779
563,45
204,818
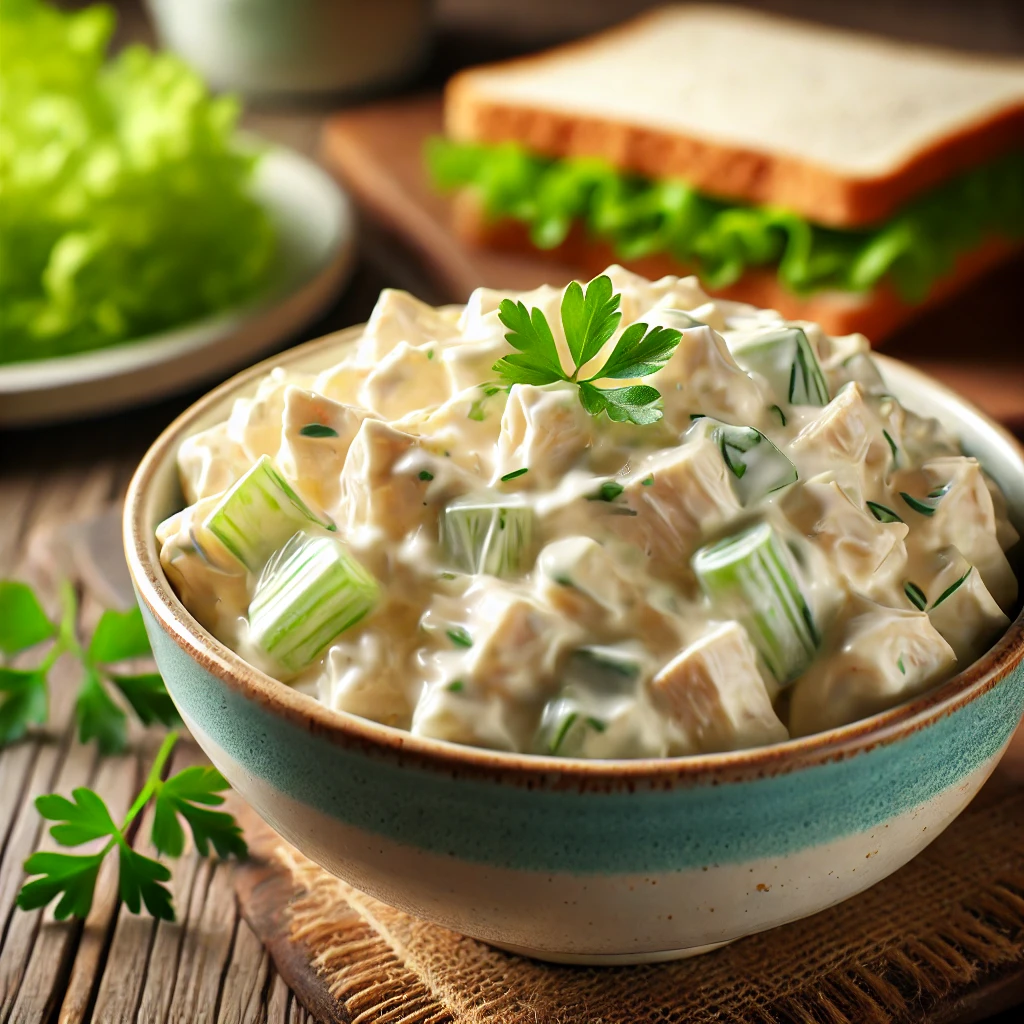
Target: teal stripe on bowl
x,y
645,831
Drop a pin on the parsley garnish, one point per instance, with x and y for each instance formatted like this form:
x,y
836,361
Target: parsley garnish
x,y
119,637
589,319
647,481
317,430
85,817
456,686
425,474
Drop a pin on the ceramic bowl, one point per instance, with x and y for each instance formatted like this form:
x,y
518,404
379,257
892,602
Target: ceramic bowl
x,y
570,860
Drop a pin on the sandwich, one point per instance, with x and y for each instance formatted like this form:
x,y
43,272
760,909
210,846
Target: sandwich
x,y
832,176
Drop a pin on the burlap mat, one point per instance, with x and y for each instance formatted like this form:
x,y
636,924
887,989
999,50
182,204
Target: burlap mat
x,y
910,949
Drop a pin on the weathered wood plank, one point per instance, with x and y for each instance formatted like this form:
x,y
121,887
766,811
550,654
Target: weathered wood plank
x,y
279,1001
244,991
116,782
212,916
43,944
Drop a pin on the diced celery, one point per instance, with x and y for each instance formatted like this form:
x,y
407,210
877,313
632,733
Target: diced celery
x,y
258,514
757,465
750,577
785,358
309,592
485,537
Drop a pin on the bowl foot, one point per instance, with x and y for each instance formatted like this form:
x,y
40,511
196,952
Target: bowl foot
x,y
610,959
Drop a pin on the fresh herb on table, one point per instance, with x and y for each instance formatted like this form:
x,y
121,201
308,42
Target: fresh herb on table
x,y
190,794
589,319
118,637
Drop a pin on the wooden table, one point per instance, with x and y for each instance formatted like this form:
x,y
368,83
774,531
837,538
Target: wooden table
x,y
208,967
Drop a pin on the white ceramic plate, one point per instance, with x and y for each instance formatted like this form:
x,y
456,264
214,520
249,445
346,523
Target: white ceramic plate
x,y
315,229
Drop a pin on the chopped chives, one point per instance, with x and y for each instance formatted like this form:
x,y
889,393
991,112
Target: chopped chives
x,y
515,473
310,591
318,430
892,447
919,506
563,729
915,595
596,724
750,577
258,514
608,491
883,513
456,686
425,474
901,666
647,480
952,589
779,414
460,637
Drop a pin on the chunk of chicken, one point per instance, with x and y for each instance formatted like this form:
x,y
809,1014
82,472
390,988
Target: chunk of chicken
x,y
848,438
716,694
544,430
964,612
398,317
962,516
255,423
316,434
676,497
868,554
210,462
886,656
405,380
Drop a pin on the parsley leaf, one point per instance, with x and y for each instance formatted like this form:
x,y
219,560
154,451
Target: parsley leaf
x,y
23,623
143,877
24,702
638,403
85,818
639,352
67,875
98,716
537,360
182,794
119,636
589,318
148,698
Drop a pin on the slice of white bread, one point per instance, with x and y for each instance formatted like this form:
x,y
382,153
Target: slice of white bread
x,y
841,127
876,313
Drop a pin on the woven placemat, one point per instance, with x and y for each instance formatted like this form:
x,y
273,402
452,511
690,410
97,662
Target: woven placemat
x,y
919,946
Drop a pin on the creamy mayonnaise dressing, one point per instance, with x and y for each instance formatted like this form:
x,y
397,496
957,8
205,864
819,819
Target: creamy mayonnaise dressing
x,y
597,639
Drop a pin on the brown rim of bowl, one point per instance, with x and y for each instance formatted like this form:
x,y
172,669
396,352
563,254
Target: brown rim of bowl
x,y
350,730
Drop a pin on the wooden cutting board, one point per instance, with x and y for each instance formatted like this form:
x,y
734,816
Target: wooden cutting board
x,y
974,343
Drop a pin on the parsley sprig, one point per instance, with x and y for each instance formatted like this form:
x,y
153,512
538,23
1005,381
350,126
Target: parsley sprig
x,y
85,817
118,637
589,319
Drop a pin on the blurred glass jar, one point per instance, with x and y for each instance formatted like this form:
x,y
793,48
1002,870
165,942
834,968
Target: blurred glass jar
x,y
296,47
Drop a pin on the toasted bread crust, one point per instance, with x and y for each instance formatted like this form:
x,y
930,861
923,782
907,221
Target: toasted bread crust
x,y
876,313
819,193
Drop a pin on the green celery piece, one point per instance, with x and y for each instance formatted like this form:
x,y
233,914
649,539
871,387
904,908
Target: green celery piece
x,y
258,514
750,577
758,467
487,537
784,357
311,591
